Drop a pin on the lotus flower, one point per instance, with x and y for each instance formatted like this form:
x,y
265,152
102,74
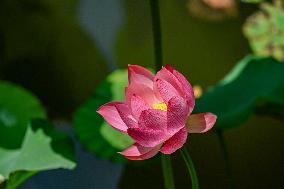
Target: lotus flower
x,y
156,113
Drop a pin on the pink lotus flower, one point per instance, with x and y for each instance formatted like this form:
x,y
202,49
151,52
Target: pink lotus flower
x,y
156,112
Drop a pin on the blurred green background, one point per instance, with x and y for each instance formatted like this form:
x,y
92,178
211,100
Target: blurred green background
x,y
61,50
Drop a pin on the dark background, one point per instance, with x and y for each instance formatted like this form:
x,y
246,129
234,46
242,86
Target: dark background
x,y
61,50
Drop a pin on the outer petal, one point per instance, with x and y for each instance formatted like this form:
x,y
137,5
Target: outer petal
x,y
138,74
125,115
177,114
200,123
111,115
165,90
189,94
138,105
146,93
167,75
175,142
147,137
138,152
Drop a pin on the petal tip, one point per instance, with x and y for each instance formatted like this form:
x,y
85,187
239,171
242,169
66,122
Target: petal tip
x,y
169,67
201,123
138,152
101,109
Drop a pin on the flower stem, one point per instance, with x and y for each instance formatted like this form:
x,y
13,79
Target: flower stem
x,y
157,41
157,33
167,172
224,149
190,167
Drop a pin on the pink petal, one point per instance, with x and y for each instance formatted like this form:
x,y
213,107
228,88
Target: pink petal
x,y
200,123
138,152
139,70
187,88
147,137
177,114
169,67
125,115
165,90
138,74
167,75
111,115
146,93
151,129
153,119
175,142
138,105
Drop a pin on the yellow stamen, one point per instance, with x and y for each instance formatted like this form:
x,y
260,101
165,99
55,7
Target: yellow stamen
x,y
160,106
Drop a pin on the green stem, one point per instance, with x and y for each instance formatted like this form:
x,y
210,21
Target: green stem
x,y
157,33
167,172
190,167
224,149
157,39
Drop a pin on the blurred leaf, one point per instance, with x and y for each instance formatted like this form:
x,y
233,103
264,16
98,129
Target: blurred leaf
x,y
94,133
61,143
17,108
114,137
265,31
36,154
253,84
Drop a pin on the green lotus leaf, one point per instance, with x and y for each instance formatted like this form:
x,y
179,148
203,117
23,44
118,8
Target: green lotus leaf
x,y
255,85
94,133
17,108
39,151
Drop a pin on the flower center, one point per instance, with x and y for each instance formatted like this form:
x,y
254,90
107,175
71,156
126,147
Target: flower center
x,y
160,106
